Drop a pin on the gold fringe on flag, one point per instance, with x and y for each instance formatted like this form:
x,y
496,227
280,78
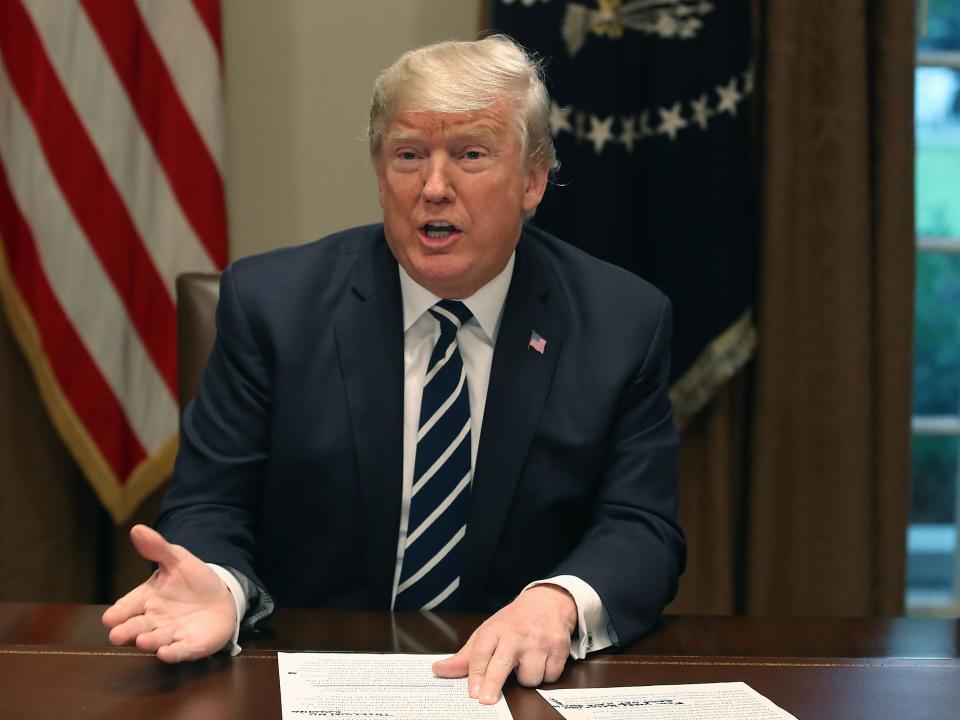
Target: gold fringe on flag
x,y
719,362
120,496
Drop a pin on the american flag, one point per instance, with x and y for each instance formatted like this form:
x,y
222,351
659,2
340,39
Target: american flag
x,y
111,154
536,342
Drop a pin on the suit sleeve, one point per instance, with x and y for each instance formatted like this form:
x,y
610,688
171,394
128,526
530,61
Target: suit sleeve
x,y
211,507
633,550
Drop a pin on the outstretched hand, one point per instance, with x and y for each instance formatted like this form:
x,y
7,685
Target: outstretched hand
x,y
182,612
531,635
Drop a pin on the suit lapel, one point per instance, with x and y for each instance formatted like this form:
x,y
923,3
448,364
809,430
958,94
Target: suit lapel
x,y
519,381
370,344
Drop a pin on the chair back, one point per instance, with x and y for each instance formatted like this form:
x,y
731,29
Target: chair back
x,y
197,295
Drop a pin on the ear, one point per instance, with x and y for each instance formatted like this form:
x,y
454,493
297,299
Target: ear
x,y
535,186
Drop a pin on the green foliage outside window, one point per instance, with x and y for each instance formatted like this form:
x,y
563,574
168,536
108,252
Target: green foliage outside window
x,y
937,319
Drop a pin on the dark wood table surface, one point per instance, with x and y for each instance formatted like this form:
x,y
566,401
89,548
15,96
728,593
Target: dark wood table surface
x,y
55,662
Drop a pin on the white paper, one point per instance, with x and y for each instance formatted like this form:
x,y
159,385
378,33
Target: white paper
x,y
708,701
363,685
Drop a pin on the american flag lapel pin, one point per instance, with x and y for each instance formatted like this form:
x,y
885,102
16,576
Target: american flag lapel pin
x,y
537,342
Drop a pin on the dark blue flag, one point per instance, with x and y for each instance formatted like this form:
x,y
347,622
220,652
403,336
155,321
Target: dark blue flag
x,y
651,121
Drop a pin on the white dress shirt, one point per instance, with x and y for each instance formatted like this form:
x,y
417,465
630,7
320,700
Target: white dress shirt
x,y
476,340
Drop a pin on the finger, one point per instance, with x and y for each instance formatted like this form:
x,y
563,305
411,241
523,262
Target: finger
x,y
455,666
151,545
193,643
155,639
126,632
484,646
531,668
554,667
130,605
178,651
502,663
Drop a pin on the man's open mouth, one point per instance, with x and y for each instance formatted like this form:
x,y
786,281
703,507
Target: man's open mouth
x,y
439,230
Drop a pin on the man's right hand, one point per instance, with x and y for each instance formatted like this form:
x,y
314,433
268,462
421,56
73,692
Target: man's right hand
x,y
182,612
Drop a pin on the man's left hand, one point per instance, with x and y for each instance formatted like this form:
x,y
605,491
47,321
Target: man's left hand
x,y
531,635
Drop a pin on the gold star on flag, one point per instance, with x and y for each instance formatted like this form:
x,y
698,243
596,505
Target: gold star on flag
x,y
701,111
671,121
729,97
629,134
600,132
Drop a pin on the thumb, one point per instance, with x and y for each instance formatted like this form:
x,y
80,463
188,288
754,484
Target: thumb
x,y
151,545
455,666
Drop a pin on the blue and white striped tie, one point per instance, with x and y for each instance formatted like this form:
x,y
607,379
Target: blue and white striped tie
x,y
440,498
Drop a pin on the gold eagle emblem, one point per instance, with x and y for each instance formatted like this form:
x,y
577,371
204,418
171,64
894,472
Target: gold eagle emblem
x,y
667,19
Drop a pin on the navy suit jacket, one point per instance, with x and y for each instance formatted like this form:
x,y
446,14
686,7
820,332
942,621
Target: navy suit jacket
x,y
290,461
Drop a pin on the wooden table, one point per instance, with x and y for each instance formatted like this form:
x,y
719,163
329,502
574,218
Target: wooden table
x,y
55,662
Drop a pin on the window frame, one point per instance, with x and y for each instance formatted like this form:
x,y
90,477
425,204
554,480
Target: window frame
x,y
919,602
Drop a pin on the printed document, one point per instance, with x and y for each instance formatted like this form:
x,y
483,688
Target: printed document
x,y
708,701
363,685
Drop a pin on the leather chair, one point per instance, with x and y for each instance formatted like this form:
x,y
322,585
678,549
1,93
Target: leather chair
x,y
197,295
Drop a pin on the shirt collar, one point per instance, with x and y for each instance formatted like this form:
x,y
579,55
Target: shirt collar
x,y
486,304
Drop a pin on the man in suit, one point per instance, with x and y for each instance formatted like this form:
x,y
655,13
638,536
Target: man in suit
x,y
446,411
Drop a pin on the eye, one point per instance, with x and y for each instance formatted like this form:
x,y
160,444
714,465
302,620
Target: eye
x,y
407,155
473,155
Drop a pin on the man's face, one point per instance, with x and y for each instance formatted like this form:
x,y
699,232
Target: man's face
x,y
454,189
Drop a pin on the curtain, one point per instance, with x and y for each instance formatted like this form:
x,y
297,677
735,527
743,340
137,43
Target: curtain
x,y
713,463
831,445
810,518
50,520
57,542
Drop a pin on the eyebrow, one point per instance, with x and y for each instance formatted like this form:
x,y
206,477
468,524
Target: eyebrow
x,y
402,136
470,133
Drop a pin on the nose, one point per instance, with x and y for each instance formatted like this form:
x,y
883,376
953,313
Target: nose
x,y
437,186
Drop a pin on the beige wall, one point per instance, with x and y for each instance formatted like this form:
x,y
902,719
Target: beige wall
x,y
298,80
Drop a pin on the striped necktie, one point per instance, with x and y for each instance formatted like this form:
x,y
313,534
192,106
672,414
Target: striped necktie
x,y
440,497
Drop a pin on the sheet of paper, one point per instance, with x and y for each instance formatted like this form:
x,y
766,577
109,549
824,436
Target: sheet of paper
x,y
708,701
362,685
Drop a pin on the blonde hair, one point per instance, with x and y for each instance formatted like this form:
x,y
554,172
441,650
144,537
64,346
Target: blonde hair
x,y
464,77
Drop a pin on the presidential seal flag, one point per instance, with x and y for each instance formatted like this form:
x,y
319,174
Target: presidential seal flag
x,y
651,118
111,152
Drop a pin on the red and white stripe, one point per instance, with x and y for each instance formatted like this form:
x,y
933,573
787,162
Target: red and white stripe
x,y
111,155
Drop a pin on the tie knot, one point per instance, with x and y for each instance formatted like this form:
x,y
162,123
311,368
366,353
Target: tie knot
x,y
451,313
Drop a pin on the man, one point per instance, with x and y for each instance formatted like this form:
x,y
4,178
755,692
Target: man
x,y
446,411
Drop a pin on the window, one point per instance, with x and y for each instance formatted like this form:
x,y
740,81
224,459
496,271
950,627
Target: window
x,y
933,560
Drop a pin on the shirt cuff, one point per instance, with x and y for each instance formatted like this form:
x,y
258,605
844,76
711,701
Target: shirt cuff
x,y
239,601
594,629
